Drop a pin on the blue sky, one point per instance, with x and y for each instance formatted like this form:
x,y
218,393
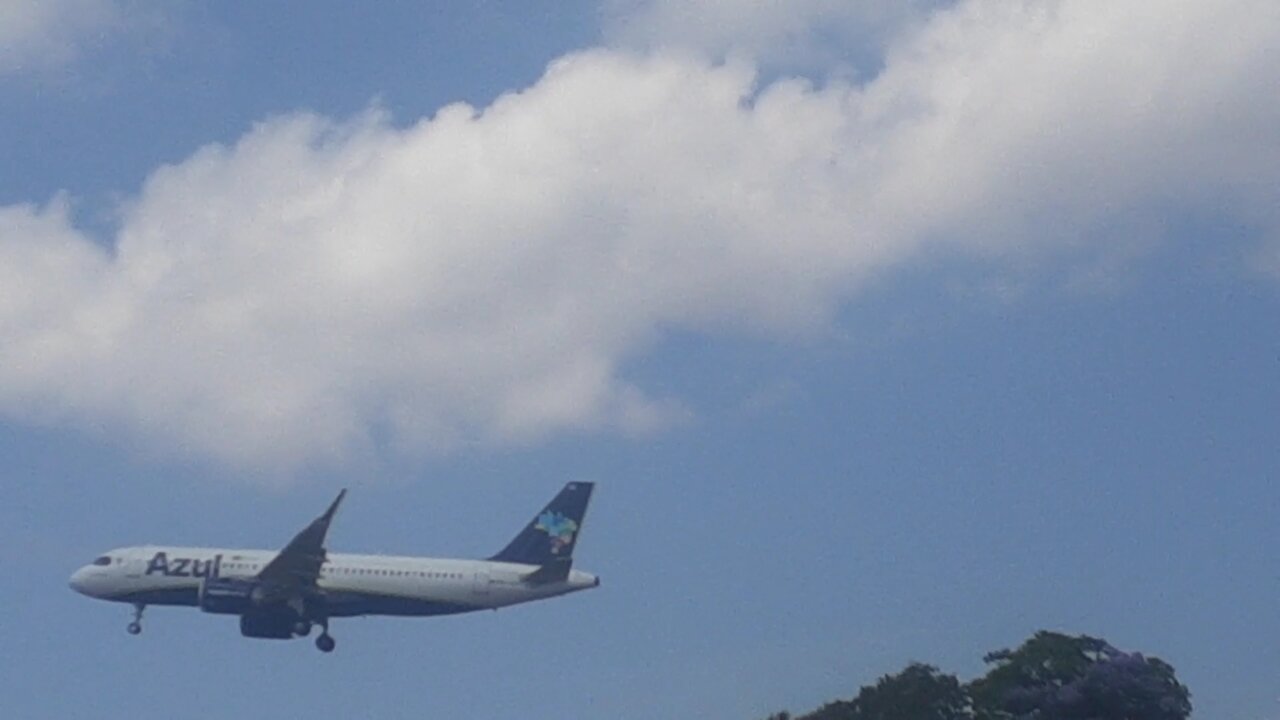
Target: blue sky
x,y
891,332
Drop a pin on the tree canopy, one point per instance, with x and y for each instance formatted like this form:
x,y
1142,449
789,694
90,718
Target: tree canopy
x,y
919,692
1051,676
1077,678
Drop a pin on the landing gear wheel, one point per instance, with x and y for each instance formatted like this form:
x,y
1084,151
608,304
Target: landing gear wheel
x,y
325,643
135,627
302,628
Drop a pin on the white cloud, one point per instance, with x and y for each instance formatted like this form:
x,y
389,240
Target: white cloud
x,y
320,288
36,34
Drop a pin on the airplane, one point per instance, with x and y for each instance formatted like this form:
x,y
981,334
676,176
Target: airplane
x,y
281,595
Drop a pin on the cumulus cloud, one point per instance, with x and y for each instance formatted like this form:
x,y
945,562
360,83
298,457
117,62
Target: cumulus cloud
x,y
41,33
319,289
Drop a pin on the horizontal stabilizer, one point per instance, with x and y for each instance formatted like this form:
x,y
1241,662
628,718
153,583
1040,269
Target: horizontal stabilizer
x,y
555,571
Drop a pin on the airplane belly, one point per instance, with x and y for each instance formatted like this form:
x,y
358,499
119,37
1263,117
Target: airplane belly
x,y
346,603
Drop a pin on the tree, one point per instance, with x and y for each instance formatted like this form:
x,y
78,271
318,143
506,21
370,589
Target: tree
x,y
1058,677
919,692
1049,677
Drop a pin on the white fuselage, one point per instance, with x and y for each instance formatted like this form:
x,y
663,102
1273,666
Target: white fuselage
x,y
352,584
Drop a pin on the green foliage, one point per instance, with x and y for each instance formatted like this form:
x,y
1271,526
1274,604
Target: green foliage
x,y
1046,660
1049,677
1077,678
919,692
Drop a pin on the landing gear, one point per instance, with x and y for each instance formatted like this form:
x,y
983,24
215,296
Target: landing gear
x,y
325,642
302,628
135,627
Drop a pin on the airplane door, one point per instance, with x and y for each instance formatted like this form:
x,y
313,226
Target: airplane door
x,y
134,567
480,583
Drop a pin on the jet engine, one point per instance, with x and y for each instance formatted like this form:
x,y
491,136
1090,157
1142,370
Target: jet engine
x,y
275,623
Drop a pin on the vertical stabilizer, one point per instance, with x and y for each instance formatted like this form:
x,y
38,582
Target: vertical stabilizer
x,y
552,533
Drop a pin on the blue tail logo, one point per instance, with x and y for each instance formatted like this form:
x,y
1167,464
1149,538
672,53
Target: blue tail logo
x,y
559,528
553,532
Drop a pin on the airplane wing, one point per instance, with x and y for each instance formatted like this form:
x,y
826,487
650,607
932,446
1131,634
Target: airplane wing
x,y
297,567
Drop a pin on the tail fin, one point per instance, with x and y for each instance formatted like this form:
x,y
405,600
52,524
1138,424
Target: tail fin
x,y
552,533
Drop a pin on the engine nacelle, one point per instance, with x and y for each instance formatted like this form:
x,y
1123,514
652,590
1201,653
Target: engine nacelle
x,y
229,596
276,623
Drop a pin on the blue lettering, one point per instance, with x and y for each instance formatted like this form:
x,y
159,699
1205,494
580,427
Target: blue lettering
x,y
161,564
205,568
158,564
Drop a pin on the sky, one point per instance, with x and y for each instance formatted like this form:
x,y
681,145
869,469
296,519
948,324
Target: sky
x,y
890,332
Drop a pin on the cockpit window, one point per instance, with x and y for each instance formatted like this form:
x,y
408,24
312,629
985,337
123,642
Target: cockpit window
x,y
104,560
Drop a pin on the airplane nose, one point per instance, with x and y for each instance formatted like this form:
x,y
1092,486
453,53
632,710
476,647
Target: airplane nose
x,y
78,582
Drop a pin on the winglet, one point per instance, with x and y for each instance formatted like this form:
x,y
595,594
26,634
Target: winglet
x,y
328,514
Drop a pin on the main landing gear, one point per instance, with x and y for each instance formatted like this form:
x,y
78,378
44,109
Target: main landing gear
x,y
324,641
135,627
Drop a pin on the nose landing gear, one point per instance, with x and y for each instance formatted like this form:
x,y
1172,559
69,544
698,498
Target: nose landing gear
x,y
135,627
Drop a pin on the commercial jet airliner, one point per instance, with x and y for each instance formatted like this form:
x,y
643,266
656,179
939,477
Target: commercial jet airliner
x,y
283,594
